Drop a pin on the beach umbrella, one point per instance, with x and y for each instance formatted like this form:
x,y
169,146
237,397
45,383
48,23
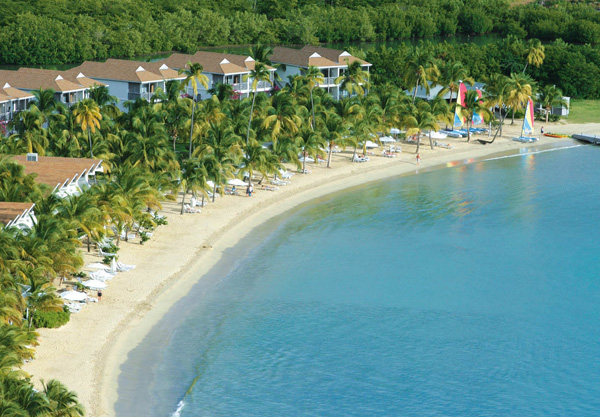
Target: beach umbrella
x,y
113,265
371,145
73,295
94,284
395,131
236,182
387,139
438,135
101,275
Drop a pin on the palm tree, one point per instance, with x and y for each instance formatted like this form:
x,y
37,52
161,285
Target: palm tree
x,y
353,79
332,131
31,136
193,179
549,97
258,159
313,77
421,119
193,77
442,113
310,143
44,101
452,74
473,105
421,69
222,91
63,403
519,89
88,116
281,116
258,74
535,53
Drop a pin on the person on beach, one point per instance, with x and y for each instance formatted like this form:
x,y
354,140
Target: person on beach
x,y
99,295
248,191
418,159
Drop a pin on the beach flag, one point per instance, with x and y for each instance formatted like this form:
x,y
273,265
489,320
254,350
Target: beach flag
x,y
528,121
460,101
477,119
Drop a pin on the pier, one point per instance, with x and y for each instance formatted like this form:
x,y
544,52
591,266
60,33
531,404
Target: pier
x,y
593,139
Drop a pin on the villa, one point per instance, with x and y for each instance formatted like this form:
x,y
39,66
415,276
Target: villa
x,y
130,80
222,69
64,176
12,100
69,87
331,62
19,215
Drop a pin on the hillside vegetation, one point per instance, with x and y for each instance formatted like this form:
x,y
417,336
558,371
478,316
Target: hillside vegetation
x,y
47,32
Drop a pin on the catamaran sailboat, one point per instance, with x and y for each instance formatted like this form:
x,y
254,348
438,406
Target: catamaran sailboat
x,y
527,128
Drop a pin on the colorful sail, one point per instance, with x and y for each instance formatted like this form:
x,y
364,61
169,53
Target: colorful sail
x,y
459,120
477,119
528,120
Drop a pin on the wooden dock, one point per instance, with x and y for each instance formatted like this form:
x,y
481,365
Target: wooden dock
x,y
593,139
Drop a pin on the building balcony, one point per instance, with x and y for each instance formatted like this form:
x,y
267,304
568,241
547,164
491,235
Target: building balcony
x,y
328,81
135,96
5,117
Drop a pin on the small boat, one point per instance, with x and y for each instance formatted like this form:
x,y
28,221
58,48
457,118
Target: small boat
x,y
556,135
527,128
454,133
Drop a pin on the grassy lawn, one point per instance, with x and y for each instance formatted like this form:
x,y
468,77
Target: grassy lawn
x,y
584,111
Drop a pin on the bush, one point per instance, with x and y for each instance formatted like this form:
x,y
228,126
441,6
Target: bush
x,y
51,319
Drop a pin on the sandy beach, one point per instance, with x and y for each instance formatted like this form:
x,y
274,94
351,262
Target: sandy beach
x,y
86,354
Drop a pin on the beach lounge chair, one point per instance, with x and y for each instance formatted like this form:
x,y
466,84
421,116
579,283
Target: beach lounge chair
x,y
280,182
388,154
188,209
286,175
121,267
102,253
269,187
102,275
443,145
360,158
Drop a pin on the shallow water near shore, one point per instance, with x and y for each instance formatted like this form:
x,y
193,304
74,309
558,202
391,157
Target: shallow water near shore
x,y
471,290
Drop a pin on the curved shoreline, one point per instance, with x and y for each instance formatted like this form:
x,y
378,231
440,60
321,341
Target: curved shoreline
x,y
98,355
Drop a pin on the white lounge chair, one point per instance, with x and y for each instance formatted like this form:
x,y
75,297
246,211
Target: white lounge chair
x,y
124,267
360,158
286,175
102,275
188,209
102,253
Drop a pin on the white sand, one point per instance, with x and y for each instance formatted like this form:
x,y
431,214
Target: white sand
x,y
86,353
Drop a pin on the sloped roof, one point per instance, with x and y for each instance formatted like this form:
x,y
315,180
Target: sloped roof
x,y
341,57
244,61
34,79
10,211
302,58
14,93
57,170
212,62
118,69
84,80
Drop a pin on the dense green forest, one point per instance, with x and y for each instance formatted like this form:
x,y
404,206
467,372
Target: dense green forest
x,y
575,69
46,32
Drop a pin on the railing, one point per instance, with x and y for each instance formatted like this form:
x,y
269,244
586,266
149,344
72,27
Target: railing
x,y
264,85
135,96
5,117
328,81
239,86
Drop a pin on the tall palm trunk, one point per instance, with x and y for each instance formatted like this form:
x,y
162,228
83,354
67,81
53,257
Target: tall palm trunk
x,y
430,142
90,140
214,191
192,125
183,201
468,129
418,141
547,111
250,118
330,152
304,162
312,104
415,93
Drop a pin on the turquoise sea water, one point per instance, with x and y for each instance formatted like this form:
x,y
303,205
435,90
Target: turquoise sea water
x,y
471,290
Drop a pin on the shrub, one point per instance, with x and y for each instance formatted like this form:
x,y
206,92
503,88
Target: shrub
x,y
51,319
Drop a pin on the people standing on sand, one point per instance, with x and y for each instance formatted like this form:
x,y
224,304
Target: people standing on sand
x,y
250,190
418,159
99,295
542,131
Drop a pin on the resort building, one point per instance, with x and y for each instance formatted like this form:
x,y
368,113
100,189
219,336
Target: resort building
x,y
435,90
19,215
69,87
12,101
64,176
222,69
129,80
331,62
